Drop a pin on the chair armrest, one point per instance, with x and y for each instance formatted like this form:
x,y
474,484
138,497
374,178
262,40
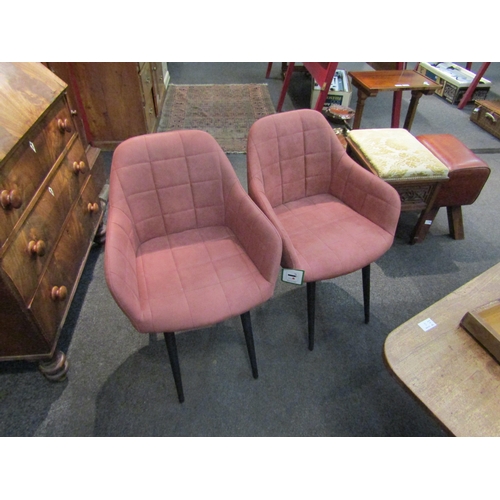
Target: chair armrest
x,y
366,193
120,262
256,190
254,231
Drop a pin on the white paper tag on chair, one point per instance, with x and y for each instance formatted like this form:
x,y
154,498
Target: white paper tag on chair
x,y
294,276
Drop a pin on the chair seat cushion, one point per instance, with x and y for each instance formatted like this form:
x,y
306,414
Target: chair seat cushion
x,y
396,154
330,239
196,278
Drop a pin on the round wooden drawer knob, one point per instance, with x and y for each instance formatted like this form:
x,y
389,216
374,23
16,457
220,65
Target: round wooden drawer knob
x,y
37,248
93,208
64,125
10,199
79,167
58,293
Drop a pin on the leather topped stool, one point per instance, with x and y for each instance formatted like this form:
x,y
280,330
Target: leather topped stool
x,y
467,177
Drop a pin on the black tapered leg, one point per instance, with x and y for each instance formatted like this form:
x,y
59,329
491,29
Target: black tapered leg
x,y
174,363
311,307
247,328
366,291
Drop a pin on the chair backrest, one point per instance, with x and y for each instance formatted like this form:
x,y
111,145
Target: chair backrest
x,y
291,154
170,182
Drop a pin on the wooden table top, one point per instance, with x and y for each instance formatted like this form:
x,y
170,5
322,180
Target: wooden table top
x,y
21,109
445,367
384,80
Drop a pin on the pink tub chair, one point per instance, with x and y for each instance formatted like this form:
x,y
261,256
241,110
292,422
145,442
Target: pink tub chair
x,y
186,247
334,217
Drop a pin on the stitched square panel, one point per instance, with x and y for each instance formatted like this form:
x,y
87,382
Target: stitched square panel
x,y
330,239
205,272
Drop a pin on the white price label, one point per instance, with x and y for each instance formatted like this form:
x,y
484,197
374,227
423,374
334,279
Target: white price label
x,y
427,324
294,276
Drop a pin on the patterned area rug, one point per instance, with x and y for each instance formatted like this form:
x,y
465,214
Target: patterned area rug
x,y
225,111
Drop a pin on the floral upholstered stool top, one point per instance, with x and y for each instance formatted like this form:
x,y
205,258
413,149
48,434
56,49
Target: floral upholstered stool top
x,y
396,156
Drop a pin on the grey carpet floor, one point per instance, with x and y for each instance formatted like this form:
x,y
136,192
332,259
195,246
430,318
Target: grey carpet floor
x,y
120,383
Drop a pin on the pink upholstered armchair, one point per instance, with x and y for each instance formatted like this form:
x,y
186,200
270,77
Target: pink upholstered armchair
x,y
334,217
186,247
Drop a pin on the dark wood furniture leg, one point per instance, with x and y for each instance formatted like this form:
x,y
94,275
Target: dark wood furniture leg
x,y
412,109
421,228
455,222
396,109
360,105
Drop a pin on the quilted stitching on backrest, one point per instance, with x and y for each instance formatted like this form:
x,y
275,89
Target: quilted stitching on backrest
x,y
294,153
171,181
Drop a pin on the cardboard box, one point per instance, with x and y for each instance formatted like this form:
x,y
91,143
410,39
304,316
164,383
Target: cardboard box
x,y
340,91
455,80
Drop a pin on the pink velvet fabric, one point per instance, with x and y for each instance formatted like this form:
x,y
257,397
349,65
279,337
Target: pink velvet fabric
x,y
334,217
186,247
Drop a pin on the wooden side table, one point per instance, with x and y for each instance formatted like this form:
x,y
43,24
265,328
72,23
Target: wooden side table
x,y
370,83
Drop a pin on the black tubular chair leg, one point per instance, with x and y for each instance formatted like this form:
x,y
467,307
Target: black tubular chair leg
x,y
247,328
311,306
174,363
366,291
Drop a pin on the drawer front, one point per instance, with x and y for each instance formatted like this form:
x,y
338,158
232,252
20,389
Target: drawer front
x,y
487,119
26,257
23,173
52,298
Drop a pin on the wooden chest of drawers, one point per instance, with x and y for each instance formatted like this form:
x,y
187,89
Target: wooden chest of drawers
x,y
486,114
50,211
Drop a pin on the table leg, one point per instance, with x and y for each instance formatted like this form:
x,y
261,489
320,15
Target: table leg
x,y
396,109
412,109
359,108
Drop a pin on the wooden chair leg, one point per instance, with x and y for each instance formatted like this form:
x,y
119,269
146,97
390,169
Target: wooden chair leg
x,y
455,222
366,291
247,328
174,363
311,307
